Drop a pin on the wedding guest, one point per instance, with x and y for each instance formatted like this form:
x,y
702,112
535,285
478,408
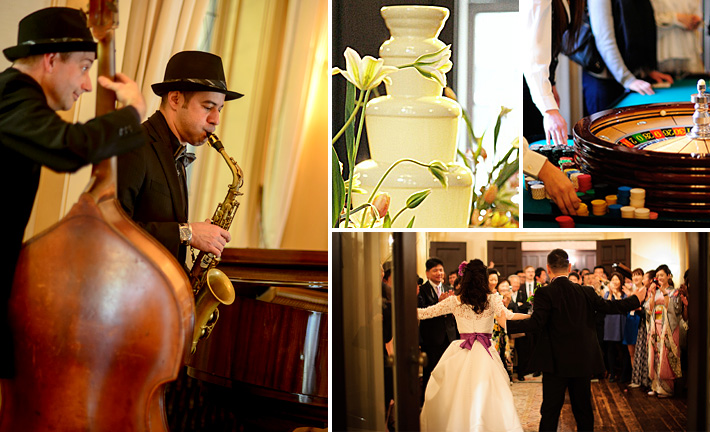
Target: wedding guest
x,y
633,318
437,333
625,36
573,277
493,276
679,43
451,278
614,333
664,335
640,373
540,277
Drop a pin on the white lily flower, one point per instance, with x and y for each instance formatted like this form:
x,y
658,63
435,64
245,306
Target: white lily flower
x,y
435,65
365,73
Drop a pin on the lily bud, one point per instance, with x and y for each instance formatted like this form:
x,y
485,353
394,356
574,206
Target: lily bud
x,y
381,204
490,195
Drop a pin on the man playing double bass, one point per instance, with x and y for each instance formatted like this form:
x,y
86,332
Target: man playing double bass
x,y
50,70
152,184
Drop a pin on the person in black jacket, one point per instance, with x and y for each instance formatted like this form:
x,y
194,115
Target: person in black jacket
x,y
152,185
567,351
50,70
435,334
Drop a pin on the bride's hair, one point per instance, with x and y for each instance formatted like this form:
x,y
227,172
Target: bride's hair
x,y
474,285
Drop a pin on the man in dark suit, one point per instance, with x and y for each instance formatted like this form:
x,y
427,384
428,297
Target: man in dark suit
x,y
50,70
567,351
152,184
435,334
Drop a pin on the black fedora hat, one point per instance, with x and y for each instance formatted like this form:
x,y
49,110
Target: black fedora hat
x,y
54,29
195,71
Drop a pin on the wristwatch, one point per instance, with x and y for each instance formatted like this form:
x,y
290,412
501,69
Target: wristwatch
x,y
185,233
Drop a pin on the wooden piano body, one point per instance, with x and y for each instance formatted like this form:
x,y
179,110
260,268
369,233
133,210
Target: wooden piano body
x,y
265,365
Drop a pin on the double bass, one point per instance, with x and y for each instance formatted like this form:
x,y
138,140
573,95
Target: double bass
x,y
101,313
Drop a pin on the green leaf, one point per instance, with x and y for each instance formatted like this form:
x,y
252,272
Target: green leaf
x,y
350,130
338,192
411,222
387,223
417,198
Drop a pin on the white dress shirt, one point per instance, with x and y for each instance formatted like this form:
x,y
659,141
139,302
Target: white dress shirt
x,y
537,50
532,161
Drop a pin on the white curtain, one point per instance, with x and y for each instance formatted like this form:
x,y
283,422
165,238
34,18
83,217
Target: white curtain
x,y
271,51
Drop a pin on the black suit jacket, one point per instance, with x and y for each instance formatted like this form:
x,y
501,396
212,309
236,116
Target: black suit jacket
x,y
150,189
439,330
564,313
33,135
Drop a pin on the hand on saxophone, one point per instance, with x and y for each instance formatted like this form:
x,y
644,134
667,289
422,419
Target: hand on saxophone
x,y
209,237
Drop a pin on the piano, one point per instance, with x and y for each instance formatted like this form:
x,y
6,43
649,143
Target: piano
x,y
265,365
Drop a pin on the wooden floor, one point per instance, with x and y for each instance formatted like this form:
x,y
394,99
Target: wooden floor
x,y
614,409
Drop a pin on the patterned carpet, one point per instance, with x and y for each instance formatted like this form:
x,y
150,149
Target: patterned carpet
x,y
528,397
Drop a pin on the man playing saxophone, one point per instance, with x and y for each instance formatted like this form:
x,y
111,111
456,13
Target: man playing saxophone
x,y
152,185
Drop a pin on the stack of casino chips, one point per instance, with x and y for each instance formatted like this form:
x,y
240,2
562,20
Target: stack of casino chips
x,y
627,212
537,189
599,207
585,182
610,200
582,210
642,213
637,197
565,221
615,210
623,195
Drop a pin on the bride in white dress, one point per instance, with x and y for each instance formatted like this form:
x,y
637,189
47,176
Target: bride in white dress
x,y
469,389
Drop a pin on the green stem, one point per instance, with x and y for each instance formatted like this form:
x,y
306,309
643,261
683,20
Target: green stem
x,y
382,179
347,123
351,162
398,213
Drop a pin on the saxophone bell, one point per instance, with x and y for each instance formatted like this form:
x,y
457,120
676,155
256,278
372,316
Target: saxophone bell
x,y
217,290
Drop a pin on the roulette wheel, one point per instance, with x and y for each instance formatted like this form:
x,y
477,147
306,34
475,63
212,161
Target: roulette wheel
x,y
663,148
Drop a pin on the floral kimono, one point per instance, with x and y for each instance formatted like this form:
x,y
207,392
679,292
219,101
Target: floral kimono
x,y
501,343
664,344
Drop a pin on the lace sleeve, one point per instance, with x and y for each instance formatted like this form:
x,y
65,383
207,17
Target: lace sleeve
x,y
497,304
441,308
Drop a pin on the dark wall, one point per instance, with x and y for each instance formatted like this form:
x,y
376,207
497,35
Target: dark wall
x,y
359,25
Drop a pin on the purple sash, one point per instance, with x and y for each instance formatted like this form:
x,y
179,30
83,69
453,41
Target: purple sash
x,y
470,338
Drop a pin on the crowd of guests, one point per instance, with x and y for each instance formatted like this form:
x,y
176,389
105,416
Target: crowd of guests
x,y
644,348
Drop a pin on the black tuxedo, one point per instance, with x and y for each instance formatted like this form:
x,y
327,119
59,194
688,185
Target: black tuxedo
x,y
32,135
151,189
567,350
435,334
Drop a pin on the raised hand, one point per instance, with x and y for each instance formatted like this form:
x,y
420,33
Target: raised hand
x,y
640,293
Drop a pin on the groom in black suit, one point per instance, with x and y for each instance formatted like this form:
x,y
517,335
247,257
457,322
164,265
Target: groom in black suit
x,y
567,351
435,334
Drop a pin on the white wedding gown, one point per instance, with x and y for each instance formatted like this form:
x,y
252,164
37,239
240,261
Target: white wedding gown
x,y
469,390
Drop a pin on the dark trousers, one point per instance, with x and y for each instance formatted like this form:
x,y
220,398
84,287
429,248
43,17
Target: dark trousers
x,y
433,353
553,397
619,361
523,345
599,93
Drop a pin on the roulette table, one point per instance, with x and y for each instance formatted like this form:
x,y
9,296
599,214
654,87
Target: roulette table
x,y
660,143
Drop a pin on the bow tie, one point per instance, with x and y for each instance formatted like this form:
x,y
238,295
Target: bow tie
x,y
184,157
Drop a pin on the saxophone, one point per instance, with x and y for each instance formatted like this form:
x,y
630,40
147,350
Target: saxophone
x,y
210,285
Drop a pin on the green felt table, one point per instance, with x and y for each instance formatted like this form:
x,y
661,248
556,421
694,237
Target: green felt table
x,y
680,91
542,213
